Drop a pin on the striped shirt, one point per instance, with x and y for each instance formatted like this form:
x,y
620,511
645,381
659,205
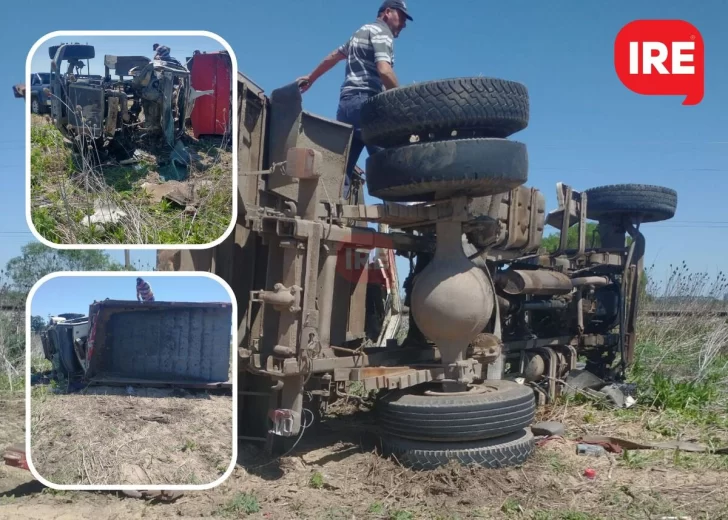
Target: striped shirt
x,y
162,53
145,291
369,45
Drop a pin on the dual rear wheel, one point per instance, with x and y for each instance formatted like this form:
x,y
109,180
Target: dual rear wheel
x,y
487,425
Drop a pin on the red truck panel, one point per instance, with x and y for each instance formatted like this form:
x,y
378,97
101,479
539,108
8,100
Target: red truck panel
x,y
211,113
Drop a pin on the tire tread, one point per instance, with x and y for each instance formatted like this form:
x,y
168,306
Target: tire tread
x,y
507,451
499,107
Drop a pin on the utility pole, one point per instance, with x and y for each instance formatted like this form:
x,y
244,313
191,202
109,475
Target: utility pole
x,y
127,261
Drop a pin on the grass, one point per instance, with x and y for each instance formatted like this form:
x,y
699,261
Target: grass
x,y
691,346
12,355
242,503
401,515
316,481
67,188
681,365
681,377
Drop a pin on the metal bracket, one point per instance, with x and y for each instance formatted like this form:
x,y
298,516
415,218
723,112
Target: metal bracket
x,y
284,422
282,298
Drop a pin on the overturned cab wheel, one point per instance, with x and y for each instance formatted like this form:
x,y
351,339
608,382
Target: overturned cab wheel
x,y
641,201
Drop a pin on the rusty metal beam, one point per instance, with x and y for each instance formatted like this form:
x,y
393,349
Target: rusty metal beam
x,y
387,357
363,237
157,383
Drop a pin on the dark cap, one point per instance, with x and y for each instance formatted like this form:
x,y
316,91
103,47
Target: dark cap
x,y
396,4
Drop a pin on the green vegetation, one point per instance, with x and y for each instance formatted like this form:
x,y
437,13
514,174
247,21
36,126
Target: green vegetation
x,y
316,481
68,188
20,274
242,503
551,242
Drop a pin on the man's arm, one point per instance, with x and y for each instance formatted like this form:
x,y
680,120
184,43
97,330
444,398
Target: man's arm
x,y
383,45
326,65
386,72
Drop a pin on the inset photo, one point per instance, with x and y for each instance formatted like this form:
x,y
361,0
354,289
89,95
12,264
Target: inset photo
x,y
131,139
130,380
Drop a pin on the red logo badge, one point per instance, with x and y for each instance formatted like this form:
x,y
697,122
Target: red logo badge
x,y
359,264
661,58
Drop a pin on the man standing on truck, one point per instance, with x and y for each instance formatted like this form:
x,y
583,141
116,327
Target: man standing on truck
x,y
144,291
369,55
161,52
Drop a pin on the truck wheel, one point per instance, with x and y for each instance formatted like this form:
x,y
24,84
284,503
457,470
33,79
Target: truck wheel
x,y
506,451
492,107
35,105
424,172
649,203
488,410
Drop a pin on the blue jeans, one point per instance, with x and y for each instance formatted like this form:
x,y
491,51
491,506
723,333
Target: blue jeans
x,y
349,112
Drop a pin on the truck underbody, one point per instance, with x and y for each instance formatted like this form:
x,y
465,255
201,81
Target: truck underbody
x,y
491,312
149,100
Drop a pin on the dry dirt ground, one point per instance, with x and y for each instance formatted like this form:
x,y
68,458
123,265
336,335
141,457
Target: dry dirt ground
x,y
105,435
334,473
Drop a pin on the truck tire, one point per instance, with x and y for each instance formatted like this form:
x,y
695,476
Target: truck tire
x,y
650,203
493,107
506,451
424,172
507,407
35,105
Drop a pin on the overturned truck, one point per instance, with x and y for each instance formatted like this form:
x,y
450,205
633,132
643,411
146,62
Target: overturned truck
x,y
496,322
167,344
148,99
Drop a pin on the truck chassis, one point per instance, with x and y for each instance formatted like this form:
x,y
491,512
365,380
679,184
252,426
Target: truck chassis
x,y
314,275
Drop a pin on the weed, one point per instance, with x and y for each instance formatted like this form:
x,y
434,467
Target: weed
x,y
316,481
401,515
574,515
542,515
555,462
511,506
376,508
6,500
189,445
245,503
633,459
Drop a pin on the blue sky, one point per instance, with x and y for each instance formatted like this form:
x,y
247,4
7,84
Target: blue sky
x,y
586,128
76,293
181,47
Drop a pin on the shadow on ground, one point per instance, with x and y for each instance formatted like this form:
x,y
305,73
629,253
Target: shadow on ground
x,y
25,489
333,439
